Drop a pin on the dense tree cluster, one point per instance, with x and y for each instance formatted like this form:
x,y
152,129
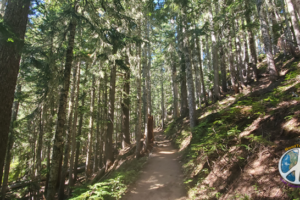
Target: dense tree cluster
x,y
79,78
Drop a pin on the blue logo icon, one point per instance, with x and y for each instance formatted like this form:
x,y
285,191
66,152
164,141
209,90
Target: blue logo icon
x,y
289,166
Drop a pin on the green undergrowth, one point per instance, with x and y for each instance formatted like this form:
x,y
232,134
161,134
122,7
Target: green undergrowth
x,y
114,186
216,133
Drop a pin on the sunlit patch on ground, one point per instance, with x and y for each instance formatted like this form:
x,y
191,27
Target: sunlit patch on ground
x,y
185,143
166,152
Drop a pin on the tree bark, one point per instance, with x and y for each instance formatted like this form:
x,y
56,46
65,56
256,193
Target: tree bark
x,y
2,7
267,42
215,55
139,102
16,16
240,66
73,132
125,111
175,89
296,4
110,126
199,49
189,75
145,98
39,148
10,143
97,153
49,130
88,166
183,89
61,193
61,117
223,69
196,69
148,78
295,21
251,40
162,98
78,144
246,58
234,81
287,33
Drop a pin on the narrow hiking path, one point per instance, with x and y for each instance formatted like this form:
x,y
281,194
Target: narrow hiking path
x,y
161,178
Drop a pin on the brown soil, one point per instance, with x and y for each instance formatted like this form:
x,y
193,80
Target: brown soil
x,y
161,178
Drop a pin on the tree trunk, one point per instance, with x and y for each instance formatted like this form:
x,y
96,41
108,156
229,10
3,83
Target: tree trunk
x,y
208,53
199,49
2,7
145,98
215,55
88,166
267,42
251,40
139,102
175,89
50,135
48,167
10,143
246,58
162,98
148,78
39,149
61,117
16,16
125,111
105,116
232,68
287,33
223,69
189,75
196,69
97,153
295,21
270,26
240,66
183,89
68,139
77,153
296,4
110,126
73,132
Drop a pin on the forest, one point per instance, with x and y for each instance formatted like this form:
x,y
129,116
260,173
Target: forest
x,y
85,83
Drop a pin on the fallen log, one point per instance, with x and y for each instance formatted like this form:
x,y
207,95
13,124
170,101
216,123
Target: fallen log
x,y
98,176
26,183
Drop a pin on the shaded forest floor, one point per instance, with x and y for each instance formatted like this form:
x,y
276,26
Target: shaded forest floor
x,y
234,151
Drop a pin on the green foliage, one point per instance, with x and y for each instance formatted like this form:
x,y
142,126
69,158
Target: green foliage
x,y
114,186
293,193
258,139
171,128
261,57
291,75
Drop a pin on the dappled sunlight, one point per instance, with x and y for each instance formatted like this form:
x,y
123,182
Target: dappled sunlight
x,y
255,124
166,152
292,125
185,143
223,104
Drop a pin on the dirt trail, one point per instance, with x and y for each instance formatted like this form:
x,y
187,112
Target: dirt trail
x,y
161,178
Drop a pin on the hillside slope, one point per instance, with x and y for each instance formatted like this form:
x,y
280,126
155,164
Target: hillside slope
x,y
234,151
